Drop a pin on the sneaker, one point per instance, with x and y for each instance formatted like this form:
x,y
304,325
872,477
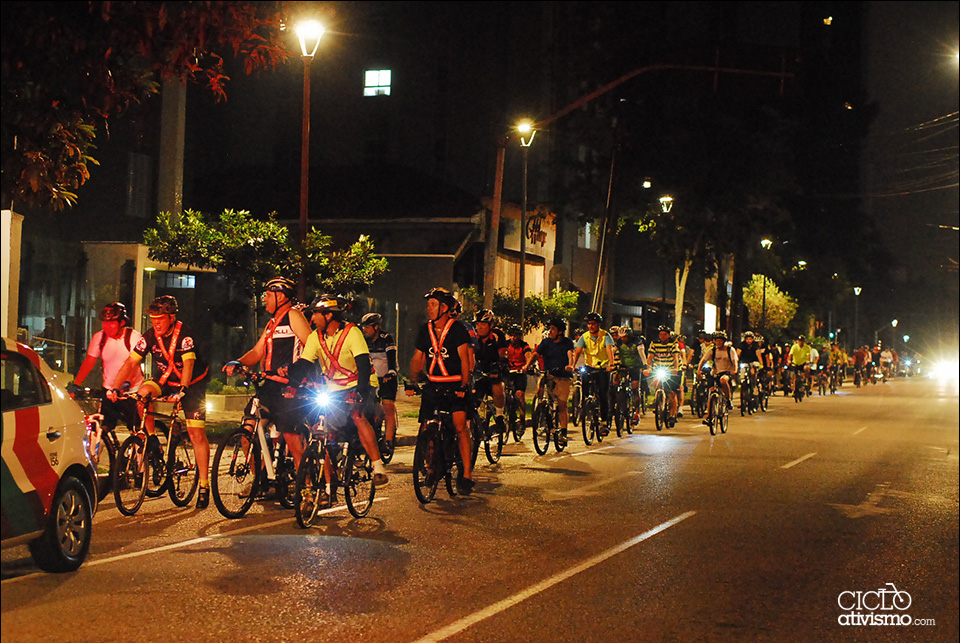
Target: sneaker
x,y
380,480
203,497
563,440
679,414
729,405
465,486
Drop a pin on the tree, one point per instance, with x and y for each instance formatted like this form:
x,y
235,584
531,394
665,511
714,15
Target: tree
x,y
780,307
537,310
248,251
70,67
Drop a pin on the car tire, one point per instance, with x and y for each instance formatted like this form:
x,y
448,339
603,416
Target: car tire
x,y
66,537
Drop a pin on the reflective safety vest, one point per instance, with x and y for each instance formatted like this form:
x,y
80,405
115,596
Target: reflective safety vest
x,y
334,371
437,362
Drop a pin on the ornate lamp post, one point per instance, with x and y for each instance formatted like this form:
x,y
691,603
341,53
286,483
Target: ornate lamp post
x,y
527,133
308,33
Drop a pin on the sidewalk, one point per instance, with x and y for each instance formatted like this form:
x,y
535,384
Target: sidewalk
x,y
407,424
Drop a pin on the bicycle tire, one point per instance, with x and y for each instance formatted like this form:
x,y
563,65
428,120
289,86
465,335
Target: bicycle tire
x,y
558,433
576,405
587,427
183,474
659,409
310,483
426,464
493,441
128,482
724,418
286,481
712,413
103,457
594,421
385,448
358,486
621,412
542,429
235,481
513,419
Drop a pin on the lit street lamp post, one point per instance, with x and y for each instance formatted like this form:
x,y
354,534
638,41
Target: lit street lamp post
x,y
527,132
309,34
856,316
876,333
765,244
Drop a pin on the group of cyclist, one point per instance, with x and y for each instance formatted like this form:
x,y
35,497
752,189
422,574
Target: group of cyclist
x,y
457,361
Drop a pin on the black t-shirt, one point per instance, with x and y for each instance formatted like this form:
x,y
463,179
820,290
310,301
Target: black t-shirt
x,y
487,351
448,344
556,355
749,353
185,345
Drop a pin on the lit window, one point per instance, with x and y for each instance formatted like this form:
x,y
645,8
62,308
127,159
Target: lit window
x,y
376,82
176,280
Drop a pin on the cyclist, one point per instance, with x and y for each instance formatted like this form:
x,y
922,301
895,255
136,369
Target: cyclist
x,y
279,346
112,344
341,351
383,357
556,350
665,354
442,353
725,364
633,357
490,352
798,360
814,366
750,358
179,371
517,352
886,361
597,348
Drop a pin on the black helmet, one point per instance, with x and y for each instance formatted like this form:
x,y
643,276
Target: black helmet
x,y
371,319
801,338
442,295
114,312
326,304
457,308
720,335
281,284
484,315
163,305
749,333
559,324
593,317
514,329
663,329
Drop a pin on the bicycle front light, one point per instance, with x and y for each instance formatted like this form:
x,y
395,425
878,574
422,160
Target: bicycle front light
x,y
323,399
662,373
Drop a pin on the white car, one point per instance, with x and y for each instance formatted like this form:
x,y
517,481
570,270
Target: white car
x,y
49,486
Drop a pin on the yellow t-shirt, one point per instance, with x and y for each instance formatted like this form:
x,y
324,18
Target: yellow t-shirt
x,y
343,376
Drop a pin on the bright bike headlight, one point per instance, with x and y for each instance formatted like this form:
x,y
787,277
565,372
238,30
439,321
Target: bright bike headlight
x,y
662,373
322,399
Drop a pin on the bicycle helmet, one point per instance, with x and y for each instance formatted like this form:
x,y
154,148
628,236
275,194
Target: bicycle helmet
x,y
163,305
326,304
281,284
663,329
559,324
626,331
749,333
514,329
457,308
442,295
484,316
593,317
114,312
371,319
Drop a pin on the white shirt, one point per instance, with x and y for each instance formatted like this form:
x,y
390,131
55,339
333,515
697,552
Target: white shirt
x,y
814,356
115,353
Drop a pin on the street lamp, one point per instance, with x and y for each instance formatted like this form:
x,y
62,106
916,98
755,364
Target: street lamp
x,y
856,316
309,33
527,133
765,244
893,324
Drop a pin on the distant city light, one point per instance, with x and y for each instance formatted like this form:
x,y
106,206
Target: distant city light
x,y
828,20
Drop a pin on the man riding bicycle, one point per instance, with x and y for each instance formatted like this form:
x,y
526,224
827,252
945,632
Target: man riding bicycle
x,y
517,352
664,354
557,353
489,356
750,359
725,364
597,348
633,358
179,371
798,360
383,357
441,352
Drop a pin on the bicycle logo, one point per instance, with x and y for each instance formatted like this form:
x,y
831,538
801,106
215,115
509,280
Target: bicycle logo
x,y
877,607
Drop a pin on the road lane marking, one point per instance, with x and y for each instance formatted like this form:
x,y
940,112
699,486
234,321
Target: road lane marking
x,y
860,430
798,461
185,543
586,490
505,604
573,455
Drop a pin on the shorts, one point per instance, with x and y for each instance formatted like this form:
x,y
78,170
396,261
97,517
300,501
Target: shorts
x,y
388,389
287,414
194,401
442,397
122,411
518,381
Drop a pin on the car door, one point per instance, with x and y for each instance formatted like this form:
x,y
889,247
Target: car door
x,y
32,441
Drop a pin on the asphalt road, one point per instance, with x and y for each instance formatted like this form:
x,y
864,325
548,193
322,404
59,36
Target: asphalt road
x,y
790,527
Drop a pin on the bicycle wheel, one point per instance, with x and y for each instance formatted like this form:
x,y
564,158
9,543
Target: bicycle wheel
x,y
633,409
576,405
493,439
129,482
286,481
157,480
427,463
513,419
358,482
587,425
183,472
310,484
621,412
103,456
559,435
712,408
660,409
542,429
234,482
723,419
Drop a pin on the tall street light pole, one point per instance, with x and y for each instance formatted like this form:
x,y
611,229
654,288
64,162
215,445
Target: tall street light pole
x,y
765,244
527,132
309,34
856,316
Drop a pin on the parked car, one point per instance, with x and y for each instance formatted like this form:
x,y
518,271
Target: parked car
x,y
49,485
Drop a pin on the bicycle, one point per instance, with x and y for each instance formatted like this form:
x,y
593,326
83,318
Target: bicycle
x,y
350,468
834,380
698,395
102,444
489,428
436,456
546,417
661,406
821,381
590,405
718,412
624,400
241,472
748,393
799,385
143,469
764,392
576,398
511,407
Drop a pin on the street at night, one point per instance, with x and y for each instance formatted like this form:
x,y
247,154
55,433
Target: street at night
x,y
671,536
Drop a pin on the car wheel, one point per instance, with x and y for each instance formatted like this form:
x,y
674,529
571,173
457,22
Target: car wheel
x,y
66,538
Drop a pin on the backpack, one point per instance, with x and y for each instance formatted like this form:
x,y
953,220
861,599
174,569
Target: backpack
x,y
127,333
